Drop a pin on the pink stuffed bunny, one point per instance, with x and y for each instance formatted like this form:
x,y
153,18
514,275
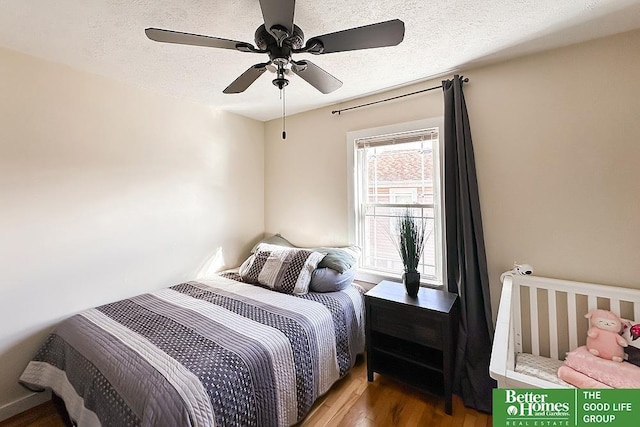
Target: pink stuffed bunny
x,y
603,338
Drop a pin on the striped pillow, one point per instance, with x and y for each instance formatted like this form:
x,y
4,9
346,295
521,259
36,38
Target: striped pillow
x,y
286,270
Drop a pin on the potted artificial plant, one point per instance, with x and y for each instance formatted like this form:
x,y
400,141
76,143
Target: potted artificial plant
x,y
411,236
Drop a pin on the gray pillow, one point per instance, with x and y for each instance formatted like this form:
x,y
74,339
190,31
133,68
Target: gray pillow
x,y
329,280
339,259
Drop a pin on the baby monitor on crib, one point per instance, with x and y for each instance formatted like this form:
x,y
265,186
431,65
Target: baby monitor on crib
x,y
518,269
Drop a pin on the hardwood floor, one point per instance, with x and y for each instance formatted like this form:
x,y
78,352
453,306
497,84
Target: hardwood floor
x,y
352,402
45,415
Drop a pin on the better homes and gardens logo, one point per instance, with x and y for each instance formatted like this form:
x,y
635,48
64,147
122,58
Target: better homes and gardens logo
x,y
533,408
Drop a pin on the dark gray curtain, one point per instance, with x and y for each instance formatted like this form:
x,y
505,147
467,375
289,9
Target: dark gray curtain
x,y
466,259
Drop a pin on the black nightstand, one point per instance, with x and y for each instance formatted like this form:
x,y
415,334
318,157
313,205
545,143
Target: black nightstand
x,y
412,339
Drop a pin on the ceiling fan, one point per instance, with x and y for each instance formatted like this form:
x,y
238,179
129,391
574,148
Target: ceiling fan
x,y
280,38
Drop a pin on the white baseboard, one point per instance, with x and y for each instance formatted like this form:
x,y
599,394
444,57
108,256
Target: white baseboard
x,y
23,404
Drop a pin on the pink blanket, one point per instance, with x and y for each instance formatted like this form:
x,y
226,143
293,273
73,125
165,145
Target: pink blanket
x,y
578,379
614,374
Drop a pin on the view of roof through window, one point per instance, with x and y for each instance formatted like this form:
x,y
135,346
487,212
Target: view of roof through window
x,y
399,176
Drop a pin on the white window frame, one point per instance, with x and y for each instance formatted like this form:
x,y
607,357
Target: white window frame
x,y
394,193
371,276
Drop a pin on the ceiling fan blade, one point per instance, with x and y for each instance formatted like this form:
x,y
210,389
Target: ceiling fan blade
x,y
168,36
316,76
388,33
278,12
245,79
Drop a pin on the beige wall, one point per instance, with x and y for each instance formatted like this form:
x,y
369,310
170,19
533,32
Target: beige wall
x,y
107,191
557,143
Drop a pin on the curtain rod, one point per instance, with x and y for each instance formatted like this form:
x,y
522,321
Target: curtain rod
x,y
464,80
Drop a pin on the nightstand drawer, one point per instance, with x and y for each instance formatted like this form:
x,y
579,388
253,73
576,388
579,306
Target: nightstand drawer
x,y
418,326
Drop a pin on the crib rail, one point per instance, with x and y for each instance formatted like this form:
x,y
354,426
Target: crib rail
x,y
543,296
545,317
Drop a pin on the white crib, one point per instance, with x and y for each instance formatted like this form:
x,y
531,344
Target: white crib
x,y
543,319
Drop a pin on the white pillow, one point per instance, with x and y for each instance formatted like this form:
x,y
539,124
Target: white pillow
x,y
286,270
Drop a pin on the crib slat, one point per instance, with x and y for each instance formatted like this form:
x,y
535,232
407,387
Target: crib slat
x,y
614,306
553,322
535,339
517,317
592,302
573,321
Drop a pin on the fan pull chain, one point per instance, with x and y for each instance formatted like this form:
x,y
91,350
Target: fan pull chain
x,y
284,115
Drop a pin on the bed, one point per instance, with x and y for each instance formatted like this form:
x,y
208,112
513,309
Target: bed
x,y
212,352
541,319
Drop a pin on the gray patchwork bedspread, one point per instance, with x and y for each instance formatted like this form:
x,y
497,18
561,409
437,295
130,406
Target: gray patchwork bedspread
x,y
217,352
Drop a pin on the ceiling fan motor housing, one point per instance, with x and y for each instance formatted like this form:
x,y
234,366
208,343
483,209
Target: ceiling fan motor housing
x,y
279,54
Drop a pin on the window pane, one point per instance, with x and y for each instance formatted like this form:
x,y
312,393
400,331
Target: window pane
x,y
380,246
405,170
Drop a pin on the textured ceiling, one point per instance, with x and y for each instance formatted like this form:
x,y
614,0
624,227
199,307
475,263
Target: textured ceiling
x,y
107,37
